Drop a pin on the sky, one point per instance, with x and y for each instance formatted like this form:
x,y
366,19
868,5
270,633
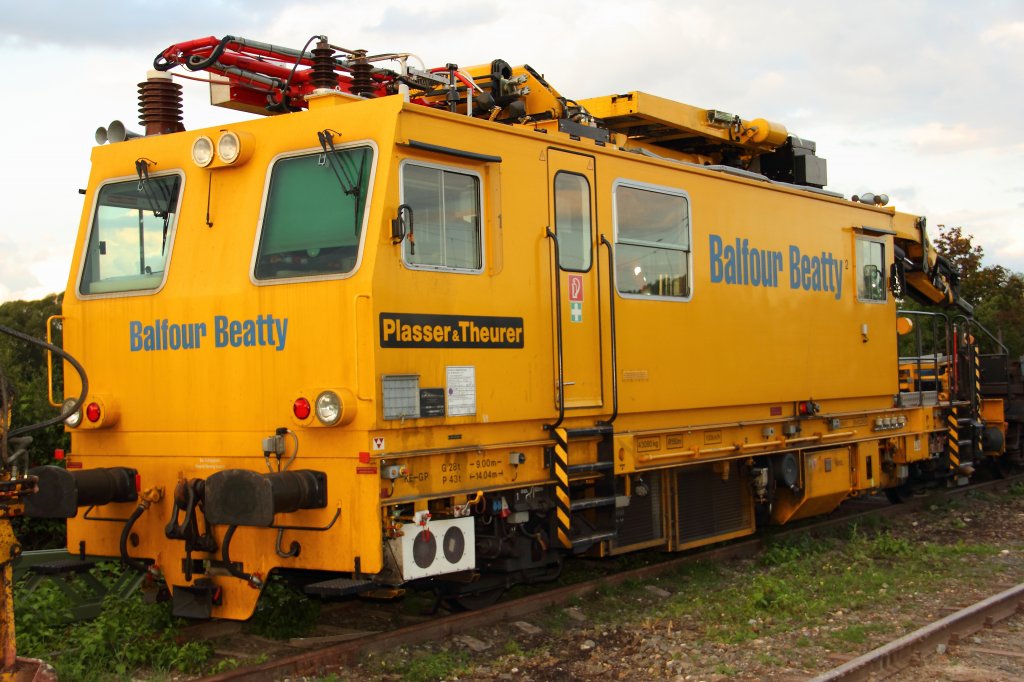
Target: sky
x,y
920,100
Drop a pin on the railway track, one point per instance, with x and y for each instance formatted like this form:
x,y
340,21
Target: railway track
x,y
439,627
898,654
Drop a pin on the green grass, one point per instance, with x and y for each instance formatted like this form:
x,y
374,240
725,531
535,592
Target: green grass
x,y
283,612
795,584
434,666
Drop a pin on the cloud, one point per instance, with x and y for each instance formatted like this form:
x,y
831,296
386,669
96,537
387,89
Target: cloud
x,y
937,137
433,18
117,25
1006,34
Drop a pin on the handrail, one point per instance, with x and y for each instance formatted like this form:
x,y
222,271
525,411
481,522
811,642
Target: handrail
x,y
49,359
558,333
920,354
971,322
611,315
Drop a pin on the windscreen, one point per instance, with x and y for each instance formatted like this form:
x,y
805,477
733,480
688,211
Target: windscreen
x,y
129,241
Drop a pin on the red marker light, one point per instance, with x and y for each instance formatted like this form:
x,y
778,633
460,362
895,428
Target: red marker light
x,y
92,412
301,408
138,483
58,454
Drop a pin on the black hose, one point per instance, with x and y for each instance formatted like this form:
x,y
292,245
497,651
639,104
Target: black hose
x,y
125,559
71,361
253,580
161,63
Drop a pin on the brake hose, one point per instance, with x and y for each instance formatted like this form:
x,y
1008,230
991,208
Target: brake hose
x,y
251,578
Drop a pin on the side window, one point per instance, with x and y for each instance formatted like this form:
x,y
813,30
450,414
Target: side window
x,y
572,221
129,242
314,217
652,248
446,218
870,270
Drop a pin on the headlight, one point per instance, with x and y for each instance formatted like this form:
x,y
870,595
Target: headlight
x,y
328,408
202,151
229,147
72,419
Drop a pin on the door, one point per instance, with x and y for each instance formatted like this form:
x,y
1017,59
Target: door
x,y
572,217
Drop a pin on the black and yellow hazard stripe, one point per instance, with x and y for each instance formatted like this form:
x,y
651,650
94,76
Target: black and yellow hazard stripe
x,y
953,442
563,505
977,398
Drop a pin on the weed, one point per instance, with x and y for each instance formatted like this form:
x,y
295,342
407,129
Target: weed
x,y
435,666
128,635
512,648
853,634
1017,489
224,665
42,618
283,612
768,659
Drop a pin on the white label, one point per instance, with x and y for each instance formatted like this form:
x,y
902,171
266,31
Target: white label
x,y
378,442
461,391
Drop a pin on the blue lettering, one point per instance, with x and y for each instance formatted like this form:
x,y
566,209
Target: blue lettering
x,y
235,331
794,267
282,332
248,333
135,336
220,331
716,258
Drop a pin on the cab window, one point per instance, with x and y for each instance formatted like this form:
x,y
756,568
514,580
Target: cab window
x,y
314,215
871,270
446,218
572,221
652,247
131,235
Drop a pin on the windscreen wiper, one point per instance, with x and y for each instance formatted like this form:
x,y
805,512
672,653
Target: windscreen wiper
x,y
142,170
146,187
337,163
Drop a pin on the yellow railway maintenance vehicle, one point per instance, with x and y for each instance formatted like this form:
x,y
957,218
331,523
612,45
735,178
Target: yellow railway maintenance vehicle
x,y
447,326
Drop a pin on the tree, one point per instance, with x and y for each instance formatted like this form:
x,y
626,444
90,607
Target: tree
x,y
24,366
996,292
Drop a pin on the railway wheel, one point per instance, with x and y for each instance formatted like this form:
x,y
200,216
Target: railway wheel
x,y
475,600
1002,467
900,494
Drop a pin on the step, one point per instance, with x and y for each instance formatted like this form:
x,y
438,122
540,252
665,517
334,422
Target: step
x,y
589,431
339,587
63,567
593,537
592,503
587,467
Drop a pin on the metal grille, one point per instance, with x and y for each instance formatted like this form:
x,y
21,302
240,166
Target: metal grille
x,y
710,507
641,520
401,396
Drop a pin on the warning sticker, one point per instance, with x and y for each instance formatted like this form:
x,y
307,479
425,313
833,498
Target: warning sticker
x,y
575,298
461,391
378,442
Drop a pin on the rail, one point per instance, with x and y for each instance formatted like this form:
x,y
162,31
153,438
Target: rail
x,y
329,657
897,654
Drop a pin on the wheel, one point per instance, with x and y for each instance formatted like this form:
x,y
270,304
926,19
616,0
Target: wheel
x,y
475,600
1002,467
900,494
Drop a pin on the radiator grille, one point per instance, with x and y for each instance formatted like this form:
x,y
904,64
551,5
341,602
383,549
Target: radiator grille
x,y
641,520
710,507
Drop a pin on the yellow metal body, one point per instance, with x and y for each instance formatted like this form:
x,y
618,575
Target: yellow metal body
x,y
711,378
